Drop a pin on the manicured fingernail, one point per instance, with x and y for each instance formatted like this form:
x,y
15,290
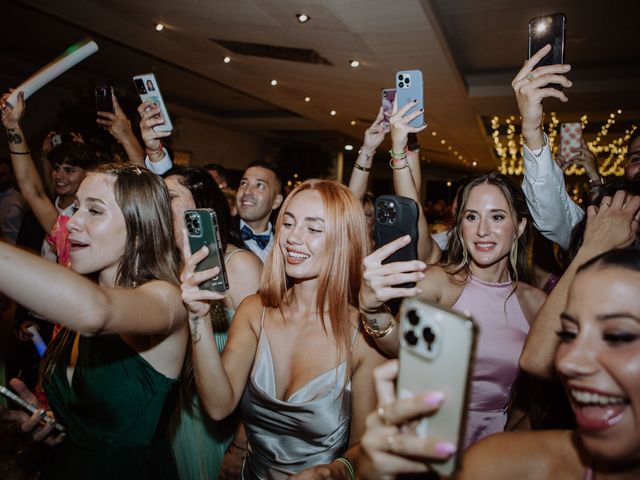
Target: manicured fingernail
x,y
433,399
445,448
420,275
422,109
422,265
415,100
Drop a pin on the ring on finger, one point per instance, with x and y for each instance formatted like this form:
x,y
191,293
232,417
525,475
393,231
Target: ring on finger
x,y
604,204
382,417
529,76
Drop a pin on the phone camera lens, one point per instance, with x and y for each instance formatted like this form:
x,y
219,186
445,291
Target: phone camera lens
x,y
400,77
413,317
429,337
411,338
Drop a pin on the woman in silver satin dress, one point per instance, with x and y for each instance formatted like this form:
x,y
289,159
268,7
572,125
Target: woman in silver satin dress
x,y
296,361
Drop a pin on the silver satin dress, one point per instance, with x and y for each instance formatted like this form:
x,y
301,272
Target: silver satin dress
x,y
311,428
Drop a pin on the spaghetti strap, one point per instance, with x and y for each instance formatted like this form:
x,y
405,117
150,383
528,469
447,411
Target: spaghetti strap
x,y
264,314
231,254
355,333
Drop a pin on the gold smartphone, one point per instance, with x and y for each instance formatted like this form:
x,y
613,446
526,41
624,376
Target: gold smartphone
x,y
436,354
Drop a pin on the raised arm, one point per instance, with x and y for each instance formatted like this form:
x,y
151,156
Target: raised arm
x,y
373,137
614,224
220,381
157,159
118,125
75,302
405,180
25,171
553,211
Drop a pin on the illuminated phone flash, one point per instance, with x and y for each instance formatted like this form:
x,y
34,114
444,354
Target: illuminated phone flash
x,y
541,27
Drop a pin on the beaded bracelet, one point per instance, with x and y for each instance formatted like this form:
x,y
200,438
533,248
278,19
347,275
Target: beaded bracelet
x,y
398,156
347,463
154,152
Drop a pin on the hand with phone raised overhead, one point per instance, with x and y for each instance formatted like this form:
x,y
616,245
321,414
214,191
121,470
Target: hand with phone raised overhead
x,y
150,116
388,450
34,424
118,125
531,86
400,126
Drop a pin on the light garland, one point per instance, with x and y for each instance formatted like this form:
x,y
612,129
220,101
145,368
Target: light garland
x,y
510,156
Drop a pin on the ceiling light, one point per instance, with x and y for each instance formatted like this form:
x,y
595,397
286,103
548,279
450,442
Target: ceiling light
x,y
333,113
354,63
302,18
226,59
434,133
159,27
352,122
448,183
474,163
307,99
274,82
443,141
348,147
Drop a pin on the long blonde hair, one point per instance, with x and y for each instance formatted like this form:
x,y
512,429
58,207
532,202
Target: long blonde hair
x,y
340,277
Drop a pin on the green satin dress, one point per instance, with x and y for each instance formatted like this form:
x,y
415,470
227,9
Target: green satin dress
x,y
199,443
116,413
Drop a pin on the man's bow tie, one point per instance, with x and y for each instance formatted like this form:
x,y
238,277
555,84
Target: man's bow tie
x,y
262,240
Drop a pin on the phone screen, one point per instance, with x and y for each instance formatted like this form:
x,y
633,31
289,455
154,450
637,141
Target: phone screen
x,y
104,100
545,30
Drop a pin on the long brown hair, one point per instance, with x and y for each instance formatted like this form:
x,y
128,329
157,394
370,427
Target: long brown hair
x,y
457,258
150,252
339,280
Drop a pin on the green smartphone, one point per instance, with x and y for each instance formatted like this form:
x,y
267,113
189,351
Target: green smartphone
x,y
202,229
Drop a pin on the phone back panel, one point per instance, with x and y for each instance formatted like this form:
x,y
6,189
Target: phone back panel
x,y
396,216
570,138
202,229
149,91
388,97
409,87
545,30
436,354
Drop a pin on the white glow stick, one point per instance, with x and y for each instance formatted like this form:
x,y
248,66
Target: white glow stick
x,y
71,57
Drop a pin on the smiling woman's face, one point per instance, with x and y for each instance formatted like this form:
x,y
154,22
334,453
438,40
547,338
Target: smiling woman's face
x,y
599,361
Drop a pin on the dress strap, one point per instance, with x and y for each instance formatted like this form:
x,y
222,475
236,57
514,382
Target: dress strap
x,y
355,333
264,314
231,254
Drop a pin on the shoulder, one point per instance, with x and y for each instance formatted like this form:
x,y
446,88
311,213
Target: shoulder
x,y
250,311
440,286
242,261
531,299
541,455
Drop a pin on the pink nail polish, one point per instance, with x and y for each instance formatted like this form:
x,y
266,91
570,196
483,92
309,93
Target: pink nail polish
x,y
445,448
433,399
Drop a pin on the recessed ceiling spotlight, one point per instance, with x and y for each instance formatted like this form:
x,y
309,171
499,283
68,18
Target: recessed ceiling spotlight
x,y
307,99
474,163
333,113
354,63
159,27
226,59
352,122
348,147
434,133
302,18
448,183
274,82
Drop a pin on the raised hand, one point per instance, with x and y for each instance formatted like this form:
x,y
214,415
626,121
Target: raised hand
x,y
12,116
399,124
613,223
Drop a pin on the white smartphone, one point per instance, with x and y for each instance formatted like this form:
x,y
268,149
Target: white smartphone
x,y
409,88
30,408
436,354
149,91
570,139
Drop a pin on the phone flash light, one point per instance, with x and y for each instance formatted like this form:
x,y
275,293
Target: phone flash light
x,y
541,27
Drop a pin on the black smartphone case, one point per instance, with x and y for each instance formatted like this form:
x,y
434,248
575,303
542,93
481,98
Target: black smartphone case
x,y
554,34
395,217
202,229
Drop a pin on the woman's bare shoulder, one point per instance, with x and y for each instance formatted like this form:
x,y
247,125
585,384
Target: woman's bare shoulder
x,y
539,455
531,299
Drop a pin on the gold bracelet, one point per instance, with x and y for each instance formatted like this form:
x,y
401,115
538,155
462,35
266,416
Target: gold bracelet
x,y
360,167
378,333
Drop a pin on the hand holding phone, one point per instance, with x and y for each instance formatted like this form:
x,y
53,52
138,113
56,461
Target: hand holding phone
x,y
31,409
396,216
202,230
149,91
409,88
436,355
570,139
388,97
548,30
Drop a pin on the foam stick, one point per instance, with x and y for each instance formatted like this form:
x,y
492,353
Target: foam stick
x,y
69,58
37,340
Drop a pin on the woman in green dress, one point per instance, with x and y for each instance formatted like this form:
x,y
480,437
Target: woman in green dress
x,y
110,375
199,443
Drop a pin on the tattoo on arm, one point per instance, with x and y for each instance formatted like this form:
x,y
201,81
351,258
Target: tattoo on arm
x,y
374,324
195,323
14,137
